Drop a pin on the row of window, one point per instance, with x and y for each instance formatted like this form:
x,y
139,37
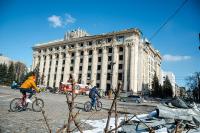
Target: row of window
x,y
99,59
120,77
99,51
81,60
119,39
82,53
99,76
98,67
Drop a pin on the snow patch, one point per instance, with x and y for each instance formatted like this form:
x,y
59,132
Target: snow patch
x,y
99,125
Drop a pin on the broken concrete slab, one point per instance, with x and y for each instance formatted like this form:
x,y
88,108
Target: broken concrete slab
x,y
178,113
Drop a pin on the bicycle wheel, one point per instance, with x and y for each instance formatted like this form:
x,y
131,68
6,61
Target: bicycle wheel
x,y
98,106
16,105
87,106
37,105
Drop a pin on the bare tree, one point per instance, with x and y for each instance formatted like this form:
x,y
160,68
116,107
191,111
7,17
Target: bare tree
x,y
193,82
114,104
71,106
20,71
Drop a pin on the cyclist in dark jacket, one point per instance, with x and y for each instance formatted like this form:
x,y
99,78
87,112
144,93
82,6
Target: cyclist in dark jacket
x,y
92,95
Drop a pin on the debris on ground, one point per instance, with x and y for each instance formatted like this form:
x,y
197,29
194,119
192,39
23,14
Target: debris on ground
x,y
176,116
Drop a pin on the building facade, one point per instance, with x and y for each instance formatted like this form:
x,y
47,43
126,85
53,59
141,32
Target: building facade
x,y
103,59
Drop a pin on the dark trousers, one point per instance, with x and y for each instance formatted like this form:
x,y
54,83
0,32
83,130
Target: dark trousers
x,y
93,101
23,91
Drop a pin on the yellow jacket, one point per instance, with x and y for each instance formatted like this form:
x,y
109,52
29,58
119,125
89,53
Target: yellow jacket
x,y
30,83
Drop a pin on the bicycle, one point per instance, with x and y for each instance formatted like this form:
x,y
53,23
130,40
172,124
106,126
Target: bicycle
x,y
88,105
19,104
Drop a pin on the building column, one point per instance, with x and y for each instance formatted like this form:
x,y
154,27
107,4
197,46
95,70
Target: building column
x,y
52,73
136,68
46,70
59,70
140,68
94,66
41,67
33,63
115,67
76,65
104,65
131,86
67,68
125,87
35,60
85,67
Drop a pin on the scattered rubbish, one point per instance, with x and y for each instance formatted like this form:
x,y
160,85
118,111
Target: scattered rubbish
x,y
176,116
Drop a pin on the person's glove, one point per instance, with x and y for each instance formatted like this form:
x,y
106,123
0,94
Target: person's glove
x,y
34,91
38,90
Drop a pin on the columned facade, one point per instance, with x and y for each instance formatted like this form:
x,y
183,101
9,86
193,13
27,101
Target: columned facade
x,y
52,71
94,66
66,67
104,68
59,69
132,80
46,72
41,66
84,67
100,60
125,85
76,65
115,67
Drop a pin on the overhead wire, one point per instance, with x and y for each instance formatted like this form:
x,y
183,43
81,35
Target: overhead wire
x,y
168,19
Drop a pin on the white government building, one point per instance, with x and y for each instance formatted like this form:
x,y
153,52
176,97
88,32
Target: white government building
x,y
91,57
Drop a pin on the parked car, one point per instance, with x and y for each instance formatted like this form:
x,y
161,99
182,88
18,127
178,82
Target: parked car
x,y
79,88
132,98
83,89
52,90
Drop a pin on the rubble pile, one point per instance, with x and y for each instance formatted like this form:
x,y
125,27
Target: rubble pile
x,y
176,116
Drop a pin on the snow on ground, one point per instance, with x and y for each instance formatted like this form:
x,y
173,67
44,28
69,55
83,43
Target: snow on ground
x,y
99,125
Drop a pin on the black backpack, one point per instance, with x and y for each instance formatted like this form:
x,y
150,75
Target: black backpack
x,y
90,94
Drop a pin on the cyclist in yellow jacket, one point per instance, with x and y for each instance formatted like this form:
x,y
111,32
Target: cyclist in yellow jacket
x,y
29,86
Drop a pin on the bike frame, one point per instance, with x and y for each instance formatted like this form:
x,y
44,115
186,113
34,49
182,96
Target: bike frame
x,y
19,104
24,96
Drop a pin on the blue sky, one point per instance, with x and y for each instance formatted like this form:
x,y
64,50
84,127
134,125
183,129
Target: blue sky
x,y
24,23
